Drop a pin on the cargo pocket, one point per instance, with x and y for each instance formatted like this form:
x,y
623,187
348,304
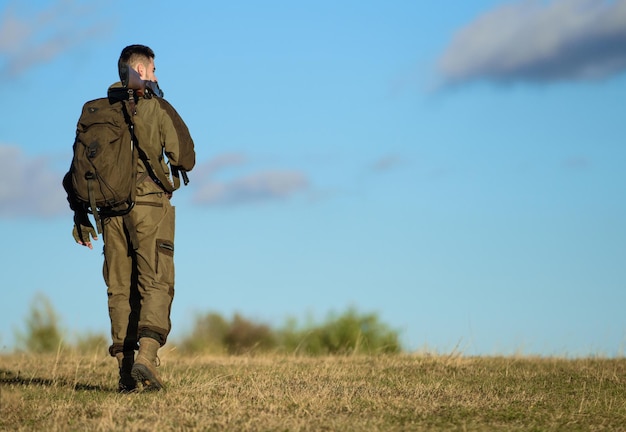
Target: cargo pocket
x,y
164,265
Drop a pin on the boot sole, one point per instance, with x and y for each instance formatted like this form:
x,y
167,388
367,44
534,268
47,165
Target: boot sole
x,y
142,374
126,389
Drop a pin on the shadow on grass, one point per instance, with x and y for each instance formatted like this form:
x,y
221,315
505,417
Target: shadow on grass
x,y
8,378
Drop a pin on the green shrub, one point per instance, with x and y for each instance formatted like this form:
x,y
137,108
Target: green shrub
x,y
91,342
207,335
349,333
43,332
245,336
214,334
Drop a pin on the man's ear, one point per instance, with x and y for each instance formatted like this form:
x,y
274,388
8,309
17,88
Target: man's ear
x,y
141,70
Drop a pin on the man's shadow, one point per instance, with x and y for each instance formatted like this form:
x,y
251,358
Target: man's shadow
x,y
9,378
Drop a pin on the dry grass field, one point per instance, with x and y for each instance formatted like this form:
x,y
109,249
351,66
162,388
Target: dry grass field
x,y
73,392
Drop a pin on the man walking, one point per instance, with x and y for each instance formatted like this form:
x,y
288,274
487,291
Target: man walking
x,y
139,247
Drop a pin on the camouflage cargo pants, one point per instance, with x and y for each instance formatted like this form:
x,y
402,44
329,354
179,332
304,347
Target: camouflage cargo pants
x,y
139,272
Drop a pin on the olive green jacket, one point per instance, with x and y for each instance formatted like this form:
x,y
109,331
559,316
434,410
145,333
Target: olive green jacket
x,y
164,141
157,138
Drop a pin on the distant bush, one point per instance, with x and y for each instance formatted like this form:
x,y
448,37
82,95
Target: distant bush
x,y
207,335
43,331
214,334
91,342
44,334
348,333
244,336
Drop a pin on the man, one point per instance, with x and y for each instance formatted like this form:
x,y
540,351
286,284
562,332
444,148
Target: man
x,y
139,247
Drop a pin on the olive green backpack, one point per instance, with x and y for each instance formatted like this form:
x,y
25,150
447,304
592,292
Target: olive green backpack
x,y
104,165
105,156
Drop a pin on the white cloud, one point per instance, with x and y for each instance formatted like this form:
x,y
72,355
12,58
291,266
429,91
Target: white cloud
x,y
261,186
539,41
578,163
29,186
30,38
387,163
268,185
218,163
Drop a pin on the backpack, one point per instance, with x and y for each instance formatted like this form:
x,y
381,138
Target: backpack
x,y
104,164
106,151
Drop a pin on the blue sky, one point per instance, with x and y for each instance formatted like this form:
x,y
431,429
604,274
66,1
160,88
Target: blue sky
x,y
455,167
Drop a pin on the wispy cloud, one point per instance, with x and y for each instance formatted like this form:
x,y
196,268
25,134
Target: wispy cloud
x,y
29,186
30,38
259,186
386,163
539,42
219,163
578,163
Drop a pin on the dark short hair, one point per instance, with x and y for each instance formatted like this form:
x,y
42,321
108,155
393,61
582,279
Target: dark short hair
x,y
134,54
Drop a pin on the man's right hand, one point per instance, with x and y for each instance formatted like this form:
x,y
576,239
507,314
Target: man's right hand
x,y
83,230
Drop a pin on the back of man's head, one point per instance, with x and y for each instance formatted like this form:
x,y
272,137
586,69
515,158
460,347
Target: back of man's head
x,y
134,54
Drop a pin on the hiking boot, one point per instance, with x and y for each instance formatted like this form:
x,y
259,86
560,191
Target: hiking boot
x,y
144,369
125,362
